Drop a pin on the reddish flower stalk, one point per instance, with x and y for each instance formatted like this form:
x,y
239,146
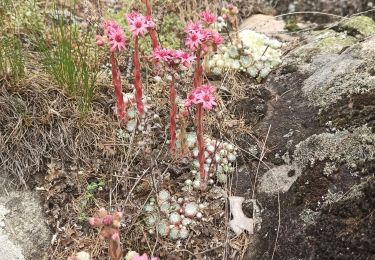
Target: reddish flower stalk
x,y
137,78
200,143
182,135
109,225
173,112
114,249
203,98
116,79
151,31
175,60
201,40
115,39
198,73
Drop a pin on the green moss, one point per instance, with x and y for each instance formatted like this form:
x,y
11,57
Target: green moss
x,y
335,43
171,31
360,24
292,25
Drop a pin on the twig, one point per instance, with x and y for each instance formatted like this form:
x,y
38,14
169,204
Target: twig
x,y
260,160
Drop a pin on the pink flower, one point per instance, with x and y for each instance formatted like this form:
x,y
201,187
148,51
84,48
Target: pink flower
x,y
150,23
203,95
194,40
208,17
207,99
99,40
217,39
142,257
208,88
185,58
115,236
115,35
107,220
160,54
139,24
191,99
110,25
95,222
172,57
193,27
116,40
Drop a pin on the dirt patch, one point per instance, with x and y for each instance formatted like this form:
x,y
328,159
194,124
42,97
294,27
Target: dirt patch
x,y
289,115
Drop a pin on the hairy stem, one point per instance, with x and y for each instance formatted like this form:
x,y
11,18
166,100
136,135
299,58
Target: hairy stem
x,y
116,79
173,112
198,71
114,250
152,31
200,143
182,136
137,78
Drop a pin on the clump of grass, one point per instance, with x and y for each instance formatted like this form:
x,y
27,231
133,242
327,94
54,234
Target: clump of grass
x,y
69,58
12,66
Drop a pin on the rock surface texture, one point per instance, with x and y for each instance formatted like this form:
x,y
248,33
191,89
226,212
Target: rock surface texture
x,y
23,232
320,171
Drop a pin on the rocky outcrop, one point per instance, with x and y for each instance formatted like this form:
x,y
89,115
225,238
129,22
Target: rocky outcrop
x,y
23,231
320,174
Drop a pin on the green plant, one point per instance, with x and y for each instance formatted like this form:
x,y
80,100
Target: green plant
x,y
69,57
12,64
88,196
171,27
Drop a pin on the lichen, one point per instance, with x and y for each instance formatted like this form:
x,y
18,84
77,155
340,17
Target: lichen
x,y
338,76
342,147
335,42
360,24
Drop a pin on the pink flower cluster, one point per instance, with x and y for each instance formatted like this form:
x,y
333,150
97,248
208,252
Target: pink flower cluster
x,y
114,35
200,37
172,57
139,24
208,17
109,222
202,95
143,257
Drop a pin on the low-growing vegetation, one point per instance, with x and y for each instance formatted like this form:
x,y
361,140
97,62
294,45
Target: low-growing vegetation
x,y
144,125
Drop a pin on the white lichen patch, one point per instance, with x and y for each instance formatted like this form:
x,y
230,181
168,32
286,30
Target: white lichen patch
x,y
342,147
339,76
279,179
